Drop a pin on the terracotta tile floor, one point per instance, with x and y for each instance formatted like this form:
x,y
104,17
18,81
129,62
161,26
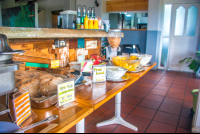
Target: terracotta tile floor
x,y
159,102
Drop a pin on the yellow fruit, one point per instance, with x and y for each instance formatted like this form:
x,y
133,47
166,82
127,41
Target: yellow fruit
x,y
133,58
132,69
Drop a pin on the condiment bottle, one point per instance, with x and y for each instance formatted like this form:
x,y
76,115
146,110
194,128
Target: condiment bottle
x,y
78,23
91,23
96,25
86,22
100,22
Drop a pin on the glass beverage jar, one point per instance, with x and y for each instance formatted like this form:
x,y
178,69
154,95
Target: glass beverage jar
x,y
114,38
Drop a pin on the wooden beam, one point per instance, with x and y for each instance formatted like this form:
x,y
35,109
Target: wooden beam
x,y
39,55
21,58
127,5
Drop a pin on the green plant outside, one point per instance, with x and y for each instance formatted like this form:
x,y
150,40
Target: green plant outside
x,y
194,62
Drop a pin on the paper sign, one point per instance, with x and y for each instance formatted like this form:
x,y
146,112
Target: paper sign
x,y
66,93
81,58
99,73
86,66
22,108
55,63
91,44
86,52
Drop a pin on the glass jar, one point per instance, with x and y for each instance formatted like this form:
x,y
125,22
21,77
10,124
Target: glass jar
x,y
114,38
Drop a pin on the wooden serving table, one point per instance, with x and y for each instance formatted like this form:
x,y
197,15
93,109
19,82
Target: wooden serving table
x,y
97,94
88,98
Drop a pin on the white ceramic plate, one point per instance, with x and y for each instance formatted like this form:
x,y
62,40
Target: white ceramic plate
x,y
118,80
139,69
148,64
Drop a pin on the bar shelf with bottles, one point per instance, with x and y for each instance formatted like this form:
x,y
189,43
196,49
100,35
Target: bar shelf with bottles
x,y
88,20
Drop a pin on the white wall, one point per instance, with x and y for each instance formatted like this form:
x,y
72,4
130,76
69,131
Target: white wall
x,y
154,14
72,5
0,15
52,5
99,11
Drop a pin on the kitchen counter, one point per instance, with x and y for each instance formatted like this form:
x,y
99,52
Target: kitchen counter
x,y
36,33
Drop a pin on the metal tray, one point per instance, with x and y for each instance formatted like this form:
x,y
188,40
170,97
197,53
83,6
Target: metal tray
x,y
46,102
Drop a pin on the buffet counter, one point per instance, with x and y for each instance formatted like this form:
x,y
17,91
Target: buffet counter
x,y
88,99
42,33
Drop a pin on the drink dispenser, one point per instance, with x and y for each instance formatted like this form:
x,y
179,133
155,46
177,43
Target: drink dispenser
x,y
79,11
84,8
88,13
114,40
93,12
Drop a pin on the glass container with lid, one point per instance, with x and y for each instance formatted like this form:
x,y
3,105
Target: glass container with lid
x,y
114,37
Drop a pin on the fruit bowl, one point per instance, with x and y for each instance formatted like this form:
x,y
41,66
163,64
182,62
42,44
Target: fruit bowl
x,y
145,58
130,64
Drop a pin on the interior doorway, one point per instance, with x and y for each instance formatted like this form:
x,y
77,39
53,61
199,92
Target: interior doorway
x,y
180,35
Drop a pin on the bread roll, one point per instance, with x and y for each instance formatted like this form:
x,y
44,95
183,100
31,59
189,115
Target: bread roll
x,y
22,81
32,87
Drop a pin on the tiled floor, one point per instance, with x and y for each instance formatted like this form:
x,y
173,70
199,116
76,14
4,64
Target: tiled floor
x,y
159,102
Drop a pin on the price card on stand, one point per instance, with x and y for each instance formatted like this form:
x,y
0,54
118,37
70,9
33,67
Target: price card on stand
x,y
99,73
66,93
55,63
22,108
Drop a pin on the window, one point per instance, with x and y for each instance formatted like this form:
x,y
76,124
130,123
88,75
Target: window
x,y
179,23
191,21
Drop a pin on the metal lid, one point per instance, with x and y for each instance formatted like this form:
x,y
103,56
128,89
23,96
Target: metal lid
x,y
4,44
5,48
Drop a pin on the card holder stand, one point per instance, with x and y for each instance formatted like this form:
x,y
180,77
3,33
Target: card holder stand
x,y
63,91
27,121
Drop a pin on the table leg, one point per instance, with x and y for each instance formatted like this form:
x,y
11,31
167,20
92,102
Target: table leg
x,y
80,127
117,119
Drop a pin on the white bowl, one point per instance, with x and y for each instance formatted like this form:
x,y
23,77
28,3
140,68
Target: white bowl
x,y
75,66
145,58
114,72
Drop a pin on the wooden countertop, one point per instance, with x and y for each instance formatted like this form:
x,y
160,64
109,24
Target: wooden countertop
x,y
35,33
97,94
88,98
66,118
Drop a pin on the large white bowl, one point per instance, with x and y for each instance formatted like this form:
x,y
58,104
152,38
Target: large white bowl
x,y
145,58
114,72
